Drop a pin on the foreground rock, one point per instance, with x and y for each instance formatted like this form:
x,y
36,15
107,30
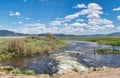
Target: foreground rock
x,y
103,72
66,62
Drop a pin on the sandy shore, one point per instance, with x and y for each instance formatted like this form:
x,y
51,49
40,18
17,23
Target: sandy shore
x,y
103,72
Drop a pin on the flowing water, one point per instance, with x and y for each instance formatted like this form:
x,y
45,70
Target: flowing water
x,y
45,64
42,64
89,54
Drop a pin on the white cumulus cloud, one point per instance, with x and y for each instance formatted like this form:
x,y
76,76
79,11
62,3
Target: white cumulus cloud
x,y
78,24
11,13
27,18
25,0
55,23
80,6
72,16
86,20
35,25
118,17
17,13
79,20
116,9
20,22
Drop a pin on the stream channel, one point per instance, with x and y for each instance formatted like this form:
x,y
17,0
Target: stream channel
x,y
86,51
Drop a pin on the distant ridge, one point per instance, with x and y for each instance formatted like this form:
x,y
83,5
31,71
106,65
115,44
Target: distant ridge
x,y
12,33
114,34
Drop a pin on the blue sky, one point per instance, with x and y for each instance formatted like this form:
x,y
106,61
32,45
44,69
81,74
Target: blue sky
x,y
60,16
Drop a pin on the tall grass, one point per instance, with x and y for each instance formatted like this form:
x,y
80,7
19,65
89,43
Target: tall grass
x,y
16,46
30,46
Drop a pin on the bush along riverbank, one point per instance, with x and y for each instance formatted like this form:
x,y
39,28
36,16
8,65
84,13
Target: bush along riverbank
x,y
9,70
29,46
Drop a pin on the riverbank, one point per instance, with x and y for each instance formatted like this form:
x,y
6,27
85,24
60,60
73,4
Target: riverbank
x,y
100,72
103,72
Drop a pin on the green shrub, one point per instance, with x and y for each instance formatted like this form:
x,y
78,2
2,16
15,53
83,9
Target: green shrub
x,y
28,72
16,46
4,55
8,68
16,71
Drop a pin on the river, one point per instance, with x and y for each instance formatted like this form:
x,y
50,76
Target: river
x,y
89,53
46,64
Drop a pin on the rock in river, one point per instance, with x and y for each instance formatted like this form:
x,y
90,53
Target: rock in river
x,y
67,62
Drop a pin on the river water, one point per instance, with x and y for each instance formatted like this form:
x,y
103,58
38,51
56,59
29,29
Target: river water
x,y
45,64
89,54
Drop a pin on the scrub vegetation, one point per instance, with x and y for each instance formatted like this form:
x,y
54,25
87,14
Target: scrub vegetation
x,y
9,70
31,45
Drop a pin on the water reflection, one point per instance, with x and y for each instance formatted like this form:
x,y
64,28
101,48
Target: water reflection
x,y
39,63
89,53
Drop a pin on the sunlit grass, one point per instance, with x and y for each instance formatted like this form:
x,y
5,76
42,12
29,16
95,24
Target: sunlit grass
x,y
108,51
21,47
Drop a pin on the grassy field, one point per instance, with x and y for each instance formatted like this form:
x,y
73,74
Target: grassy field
x,y
108,51
108,40
20,47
